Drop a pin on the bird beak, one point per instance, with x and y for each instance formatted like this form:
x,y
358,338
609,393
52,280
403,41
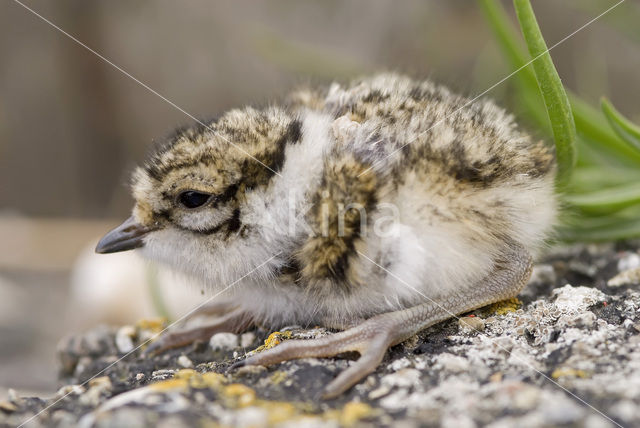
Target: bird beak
x,y
125,237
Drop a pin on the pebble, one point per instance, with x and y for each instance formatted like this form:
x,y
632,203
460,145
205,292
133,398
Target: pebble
x,y
583,268
379,392
247,339
70,390
249,417
599,249
543,274
63,418
625,410
583,320
250,370
526,397
184,361
124,339
574,299
98,387
223,341
631,276
629,261
7,406
452,363
102,382
471,323
560,410
12,395
402,378
162,374
399,364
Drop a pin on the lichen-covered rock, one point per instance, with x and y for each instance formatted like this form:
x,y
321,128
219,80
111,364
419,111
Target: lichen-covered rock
x,y
564,354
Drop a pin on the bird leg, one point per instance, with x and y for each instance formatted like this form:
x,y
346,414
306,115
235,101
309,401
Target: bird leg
x,y
374,336
230,319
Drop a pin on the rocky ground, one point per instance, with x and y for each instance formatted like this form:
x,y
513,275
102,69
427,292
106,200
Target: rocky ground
x,y
565,354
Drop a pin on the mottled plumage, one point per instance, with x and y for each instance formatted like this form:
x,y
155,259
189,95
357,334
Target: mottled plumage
x,y
379,196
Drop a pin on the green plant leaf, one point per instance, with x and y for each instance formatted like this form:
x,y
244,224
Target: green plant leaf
x,y
593,127
606,201
611,230
553,93
586,179
627,130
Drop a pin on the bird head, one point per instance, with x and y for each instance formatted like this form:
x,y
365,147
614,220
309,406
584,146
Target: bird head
x,y
190,194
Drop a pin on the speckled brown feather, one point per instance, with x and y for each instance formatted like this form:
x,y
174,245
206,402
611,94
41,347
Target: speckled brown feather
x,y
402,124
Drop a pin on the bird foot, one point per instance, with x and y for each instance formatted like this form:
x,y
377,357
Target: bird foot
x,y
371,339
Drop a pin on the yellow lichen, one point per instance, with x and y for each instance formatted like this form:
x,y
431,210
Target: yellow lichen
x,y
185,374
279,411
240,394
189,378
350,414
170,384
155,325
568,372
208,423
274,339
237,395
210,380
277,377
504,307
100,382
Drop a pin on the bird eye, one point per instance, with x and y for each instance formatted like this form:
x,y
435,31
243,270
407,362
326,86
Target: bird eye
x,y
192,199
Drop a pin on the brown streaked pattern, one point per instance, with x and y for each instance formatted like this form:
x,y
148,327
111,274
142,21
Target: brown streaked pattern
x,y
262,134
326,258
487,148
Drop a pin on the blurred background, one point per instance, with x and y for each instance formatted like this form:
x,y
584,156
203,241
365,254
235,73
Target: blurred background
x,y
72,127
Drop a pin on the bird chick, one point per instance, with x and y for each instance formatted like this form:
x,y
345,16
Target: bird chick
x,y
378,208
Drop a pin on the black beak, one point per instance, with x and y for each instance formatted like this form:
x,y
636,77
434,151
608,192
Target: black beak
x,y
125,237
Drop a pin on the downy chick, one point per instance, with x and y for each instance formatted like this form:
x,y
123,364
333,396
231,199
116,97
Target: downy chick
x,y
377,208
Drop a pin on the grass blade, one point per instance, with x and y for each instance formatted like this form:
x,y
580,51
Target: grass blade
x,y
586,179
553,93
595,130
606,201
612,230
627,130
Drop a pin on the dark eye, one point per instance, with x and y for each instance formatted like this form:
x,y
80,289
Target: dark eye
x,y
193,199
